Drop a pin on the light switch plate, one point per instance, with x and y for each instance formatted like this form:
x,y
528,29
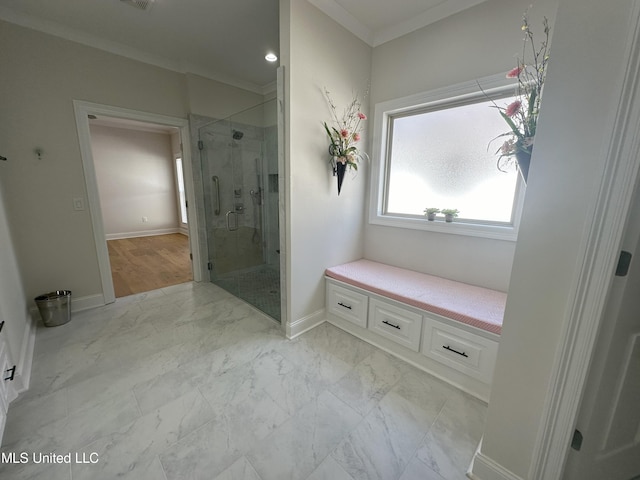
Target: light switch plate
x,y
78,203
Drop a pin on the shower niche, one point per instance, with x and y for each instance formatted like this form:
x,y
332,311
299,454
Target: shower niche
x,y
240,197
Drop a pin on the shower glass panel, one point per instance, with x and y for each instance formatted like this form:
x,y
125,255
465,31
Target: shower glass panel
x,y
239,158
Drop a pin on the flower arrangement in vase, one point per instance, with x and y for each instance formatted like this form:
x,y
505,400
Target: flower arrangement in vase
x,y
343,136
521,115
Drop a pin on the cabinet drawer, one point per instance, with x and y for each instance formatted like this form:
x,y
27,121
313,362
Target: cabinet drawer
x,y
397,324
469,353
347,304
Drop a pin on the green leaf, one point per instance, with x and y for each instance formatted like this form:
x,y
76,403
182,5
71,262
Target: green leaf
x,y
512,125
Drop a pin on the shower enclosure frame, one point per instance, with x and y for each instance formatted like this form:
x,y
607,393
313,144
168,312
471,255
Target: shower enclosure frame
x,y
196,123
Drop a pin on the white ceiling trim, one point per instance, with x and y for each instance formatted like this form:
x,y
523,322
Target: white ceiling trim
x,y
432,15
344,18
78,36
377,37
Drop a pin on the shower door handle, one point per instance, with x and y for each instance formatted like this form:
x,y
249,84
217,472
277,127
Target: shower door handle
x,y
216,186
235,216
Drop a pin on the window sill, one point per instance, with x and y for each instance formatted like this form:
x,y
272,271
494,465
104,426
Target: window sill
x,y
457,227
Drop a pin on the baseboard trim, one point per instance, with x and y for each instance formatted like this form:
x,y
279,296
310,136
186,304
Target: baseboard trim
x,y
87,302
305,324
485,468
143,233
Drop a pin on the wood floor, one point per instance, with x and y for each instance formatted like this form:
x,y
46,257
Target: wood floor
x,y
147,263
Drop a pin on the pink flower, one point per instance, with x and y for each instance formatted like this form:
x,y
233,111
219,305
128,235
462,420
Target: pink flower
x,y
515,72
344,133
356,137
362,116
513,108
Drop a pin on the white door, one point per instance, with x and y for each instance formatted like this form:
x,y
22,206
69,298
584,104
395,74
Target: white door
x,y
609,417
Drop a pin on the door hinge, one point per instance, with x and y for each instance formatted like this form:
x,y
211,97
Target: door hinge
x,y
12,372
191,256
623,264
576,441
210,266
1,325
200,145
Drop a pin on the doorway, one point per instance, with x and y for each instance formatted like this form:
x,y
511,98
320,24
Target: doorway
x,y
607,439
83,110
140,185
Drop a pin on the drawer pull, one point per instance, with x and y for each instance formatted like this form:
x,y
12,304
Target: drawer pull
x,y
343,305
391,324
455,351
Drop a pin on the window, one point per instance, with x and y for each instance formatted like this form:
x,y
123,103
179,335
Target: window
x,y
182,200
432,150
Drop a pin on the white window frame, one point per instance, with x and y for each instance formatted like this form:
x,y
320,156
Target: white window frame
x,y
180,191
495,85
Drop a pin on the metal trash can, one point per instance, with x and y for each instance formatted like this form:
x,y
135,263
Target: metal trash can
x,y
55,307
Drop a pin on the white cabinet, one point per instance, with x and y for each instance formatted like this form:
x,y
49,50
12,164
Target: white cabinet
x,y
4,389
466,352
347,304
398,324
458,353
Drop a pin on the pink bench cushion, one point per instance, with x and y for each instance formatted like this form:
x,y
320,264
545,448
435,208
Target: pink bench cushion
x,y
481,307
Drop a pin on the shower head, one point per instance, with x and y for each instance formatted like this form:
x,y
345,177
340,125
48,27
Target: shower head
x,y
237,135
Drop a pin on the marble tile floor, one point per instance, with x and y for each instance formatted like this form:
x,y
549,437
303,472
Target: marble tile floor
x,y
189,382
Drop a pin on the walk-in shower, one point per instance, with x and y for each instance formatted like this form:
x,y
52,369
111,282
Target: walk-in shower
x,y
239,172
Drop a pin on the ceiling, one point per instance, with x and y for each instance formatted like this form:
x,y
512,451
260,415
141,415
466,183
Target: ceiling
x,y
223,40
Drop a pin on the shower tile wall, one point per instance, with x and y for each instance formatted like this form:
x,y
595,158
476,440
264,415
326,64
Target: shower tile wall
x,y
241,248
245,258
272,196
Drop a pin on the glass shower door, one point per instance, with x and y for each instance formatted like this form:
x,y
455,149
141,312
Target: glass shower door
x,y
239,195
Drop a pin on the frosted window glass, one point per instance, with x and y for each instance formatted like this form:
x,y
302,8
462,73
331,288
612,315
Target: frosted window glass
x,y
442,159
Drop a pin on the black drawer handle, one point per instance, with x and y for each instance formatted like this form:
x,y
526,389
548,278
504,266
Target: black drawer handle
x,y
11,372
391,324
343,305
455,351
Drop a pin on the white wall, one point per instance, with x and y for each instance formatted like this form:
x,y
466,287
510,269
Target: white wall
x,y
218,100
136,179
325,229
478,42
42,75
580,97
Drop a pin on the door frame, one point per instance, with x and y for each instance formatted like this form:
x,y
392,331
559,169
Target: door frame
x,y
82,110
601,247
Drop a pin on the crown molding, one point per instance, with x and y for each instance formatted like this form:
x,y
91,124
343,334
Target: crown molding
x,y
78,36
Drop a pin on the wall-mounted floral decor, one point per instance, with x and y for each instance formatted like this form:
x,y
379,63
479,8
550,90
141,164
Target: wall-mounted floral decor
x,y
521,115
344,133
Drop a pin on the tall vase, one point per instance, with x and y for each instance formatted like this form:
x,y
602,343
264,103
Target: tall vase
x,y
340,171
524,160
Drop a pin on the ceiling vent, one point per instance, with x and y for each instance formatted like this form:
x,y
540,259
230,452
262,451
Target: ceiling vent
x,y
139,4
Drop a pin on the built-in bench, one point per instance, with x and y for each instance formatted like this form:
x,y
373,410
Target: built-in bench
x,y
448,328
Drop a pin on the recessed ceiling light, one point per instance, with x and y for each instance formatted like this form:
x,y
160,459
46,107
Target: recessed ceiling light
x,y
270,57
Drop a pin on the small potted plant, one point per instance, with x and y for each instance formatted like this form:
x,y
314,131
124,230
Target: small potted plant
x,y
431,213
450,214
